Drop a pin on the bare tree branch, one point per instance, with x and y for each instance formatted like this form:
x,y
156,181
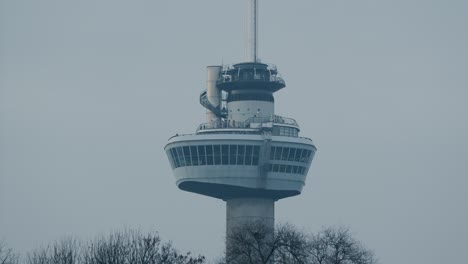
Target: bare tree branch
x,y
7,256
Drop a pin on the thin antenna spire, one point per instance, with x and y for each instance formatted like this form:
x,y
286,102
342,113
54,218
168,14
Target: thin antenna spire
x,y
253,31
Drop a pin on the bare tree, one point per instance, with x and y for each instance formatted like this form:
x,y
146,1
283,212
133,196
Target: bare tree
x,y
7,256
253,242
67,251
132,247
127,247
336,245
293,248
250,243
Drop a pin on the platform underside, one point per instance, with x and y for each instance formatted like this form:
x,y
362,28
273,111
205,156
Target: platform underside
x,y
227,192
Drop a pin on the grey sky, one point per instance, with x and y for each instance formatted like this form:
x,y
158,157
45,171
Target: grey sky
x,y
90,91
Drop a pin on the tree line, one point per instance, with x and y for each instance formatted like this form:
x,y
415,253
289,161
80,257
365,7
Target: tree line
x,y
251,243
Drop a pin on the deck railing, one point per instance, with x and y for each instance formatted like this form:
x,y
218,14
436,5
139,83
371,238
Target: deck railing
x,y
231,124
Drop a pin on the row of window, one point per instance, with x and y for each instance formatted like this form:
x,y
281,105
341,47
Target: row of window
x,y
286,169
233,155
251,97
285,131
290,154
214,155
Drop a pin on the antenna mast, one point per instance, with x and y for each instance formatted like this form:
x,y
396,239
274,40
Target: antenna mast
x,y
253,31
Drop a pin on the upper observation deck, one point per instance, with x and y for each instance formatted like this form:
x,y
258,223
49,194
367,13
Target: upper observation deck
x,y
250,75
278,125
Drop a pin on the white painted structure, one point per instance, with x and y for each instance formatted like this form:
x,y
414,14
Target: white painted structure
x,y
244,154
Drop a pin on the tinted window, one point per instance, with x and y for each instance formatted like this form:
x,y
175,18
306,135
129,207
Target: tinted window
x,y
209,155
297,156
201,155
174,156
217,154
232,154
284,155
240,154
248,155
180,154
278,153
256,155
194,153
282,168
272,153
275,167
292,151
225,154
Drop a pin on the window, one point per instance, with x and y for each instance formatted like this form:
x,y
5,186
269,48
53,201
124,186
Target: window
x,y
171,160
225,154
282,168
286,169
256,155
174,157
292,151
285,131
275,167
278,153
201,155
194,154
284,155
214,155
188,160
217,154
301,170
272,153
232,154
248,155
304,155
240,154
309,153
250,97
291,154
180,154
297,157
294,169
209,155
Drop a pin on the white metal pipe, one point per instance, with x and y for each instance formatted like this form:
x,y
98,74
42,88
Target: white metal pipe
x,y
212,92
253,31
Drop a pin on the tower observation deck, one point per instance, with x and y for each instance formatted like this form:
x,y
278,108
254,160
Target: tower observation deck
x,y
244,153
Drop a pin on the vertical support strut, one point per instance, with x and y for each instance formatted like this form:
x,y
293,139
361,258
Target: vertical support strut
x,y
253,31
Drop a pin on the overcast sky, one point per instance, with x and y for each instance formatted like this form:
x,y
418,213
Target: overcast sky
x,y
90,91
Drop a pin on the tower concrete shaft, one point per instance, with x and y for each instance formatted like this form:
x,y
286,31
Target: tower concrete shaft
x,y
245,217
243,211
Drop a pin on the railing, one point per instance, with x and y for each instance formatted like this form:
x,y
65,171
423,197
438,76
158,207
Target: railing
x,y
284,120
231,124
226,78
270,74
228,67
222,125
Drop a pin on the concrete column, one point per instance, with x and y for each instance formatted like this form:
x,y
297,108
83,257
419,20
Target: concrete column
x,y
249,211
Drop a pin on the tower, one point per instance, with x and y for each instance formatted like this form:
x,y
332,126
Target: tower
x,y
244,153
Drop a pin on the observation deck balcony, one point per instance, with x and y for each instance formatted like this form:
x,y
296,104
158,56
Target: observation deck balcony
x,y
250,75
280,126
